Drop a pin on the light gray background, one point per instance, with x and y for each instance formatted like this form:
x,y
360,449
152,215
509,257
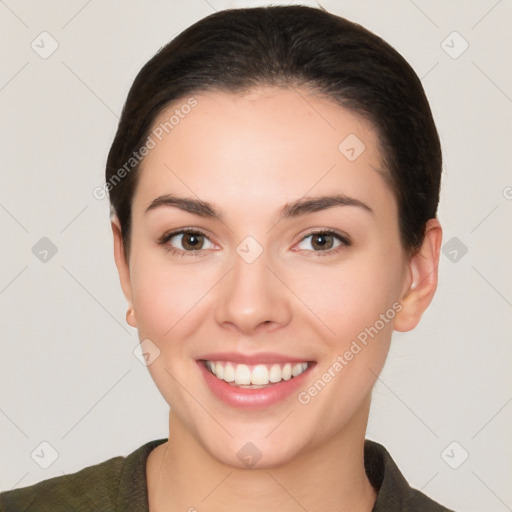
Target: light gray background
x,y
68,374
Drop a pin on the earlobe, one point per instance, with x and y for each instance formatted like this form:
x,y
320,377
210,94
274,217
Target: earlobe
x,y
422,280
123,269
130,317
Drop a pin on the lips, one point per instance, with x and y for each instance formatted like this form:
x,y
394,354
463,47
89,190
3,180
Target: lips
x,y
253,381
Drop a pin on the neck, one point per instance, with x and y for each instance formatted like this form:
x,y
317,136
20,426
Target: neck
x,y
182,475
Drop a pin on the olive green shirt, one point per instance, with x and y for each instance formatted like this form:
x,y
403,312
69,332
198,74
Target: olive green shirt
x,y
119,484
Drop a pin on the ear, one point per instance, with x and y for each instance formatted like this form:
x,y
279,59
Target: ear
x,y
421,284
123,269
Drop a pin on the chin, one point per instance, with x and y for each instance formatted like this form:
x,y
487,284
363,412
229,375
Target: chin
x,y
260,446
244,454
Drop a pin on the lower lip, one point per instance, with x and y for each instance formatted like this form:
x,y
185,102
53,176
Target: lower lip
x,y
248,398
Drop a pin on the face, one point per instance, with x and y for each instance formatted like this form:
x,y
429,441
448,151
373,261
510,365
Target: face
x,y
284,271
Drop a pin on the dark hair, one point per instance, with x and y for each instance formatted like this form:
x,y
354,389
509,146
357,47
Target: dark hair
x,y
237,49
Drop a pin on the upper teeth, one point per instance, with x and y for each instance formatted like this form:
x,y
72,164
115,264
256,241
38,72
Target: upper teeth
x,y
260,374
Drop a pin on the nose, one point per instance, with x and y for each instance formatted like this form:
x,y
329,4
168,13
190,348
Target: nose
x,y
253,297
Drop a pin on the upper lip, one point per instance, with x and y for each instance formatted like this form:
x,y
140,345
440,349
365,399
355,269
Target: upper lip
x,y
252,359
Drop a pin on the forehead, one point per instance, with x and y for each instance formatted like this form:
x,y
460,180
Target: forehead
x,y
282,142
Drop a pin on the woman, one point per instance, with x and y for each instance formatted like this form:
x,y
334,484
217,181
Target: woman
x,y
274,182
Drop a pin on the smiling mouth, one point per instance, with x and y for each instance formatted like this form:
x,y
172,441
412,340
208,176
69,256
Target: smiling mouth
x,y
255,376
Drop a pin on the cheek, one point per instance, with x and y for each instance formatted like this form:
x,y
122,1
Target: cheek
x,y
358,303
351,296
169,302
166,297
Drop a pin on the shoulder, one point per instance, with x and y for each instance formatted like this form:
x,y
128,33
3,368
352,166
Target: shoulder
x,y
86,487
393,491
96,487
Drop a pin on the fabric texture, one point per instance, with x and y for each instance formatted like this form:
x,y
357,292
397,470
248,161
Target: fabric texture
x,y
119,484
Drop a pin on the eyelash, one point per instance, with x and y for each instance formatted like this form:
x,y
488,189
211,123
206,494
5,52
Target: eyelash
x,y
166,237
164,240
345,241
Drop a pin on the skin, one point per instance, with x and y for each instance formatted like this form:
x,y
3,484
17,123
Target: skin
x,y
249,155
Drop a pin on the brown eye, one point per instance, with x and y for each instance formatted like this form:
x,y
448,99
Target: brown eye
x,y
324,242
192,241
186,241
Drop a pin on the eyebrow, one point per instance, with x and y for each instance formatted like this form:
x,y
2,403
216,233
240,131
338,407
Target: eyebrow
x,y
298,208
